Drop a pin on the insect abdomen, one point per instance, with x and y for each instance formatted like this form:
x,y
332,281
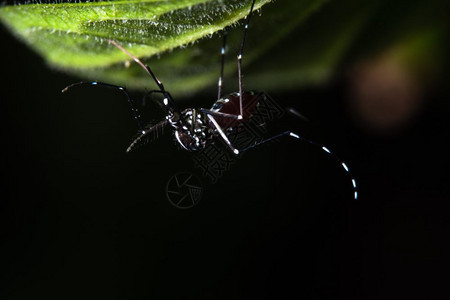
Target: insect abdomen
x,y
230,105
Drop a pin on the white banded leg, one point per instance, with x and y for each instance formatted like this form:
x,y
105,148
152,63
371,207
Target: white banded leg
x,y
222,64
239,57
223,135
321,147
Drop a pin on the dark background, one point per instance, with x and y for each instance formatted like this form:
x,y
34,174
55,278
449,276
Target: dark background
x,y
81,219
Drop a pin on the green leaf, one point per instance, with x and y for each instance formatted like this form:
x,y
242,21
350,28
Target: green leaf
x,y
185,71
74,35
289,43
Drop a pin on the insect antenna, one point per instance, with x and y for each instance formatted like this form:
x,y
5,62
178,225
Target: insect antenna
x,y
137,60
150,133
148,70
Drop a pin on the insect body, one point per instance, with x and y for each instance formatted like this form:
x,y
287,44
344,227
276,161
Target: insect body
x,y
197,127
194,128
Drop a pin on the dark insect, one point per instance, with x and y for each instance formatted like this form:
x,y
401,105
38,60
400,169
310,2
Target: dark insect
x,y
195,128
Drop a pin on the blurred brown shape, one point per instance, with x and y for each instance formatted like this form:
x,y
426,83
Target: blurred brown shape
x,y
387,89
385,94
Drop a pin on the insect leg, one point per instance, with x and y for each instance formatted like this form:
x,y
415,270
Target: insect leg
x,y
323,148
219,114
220,82
223,135
239,57
222,64
134,110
